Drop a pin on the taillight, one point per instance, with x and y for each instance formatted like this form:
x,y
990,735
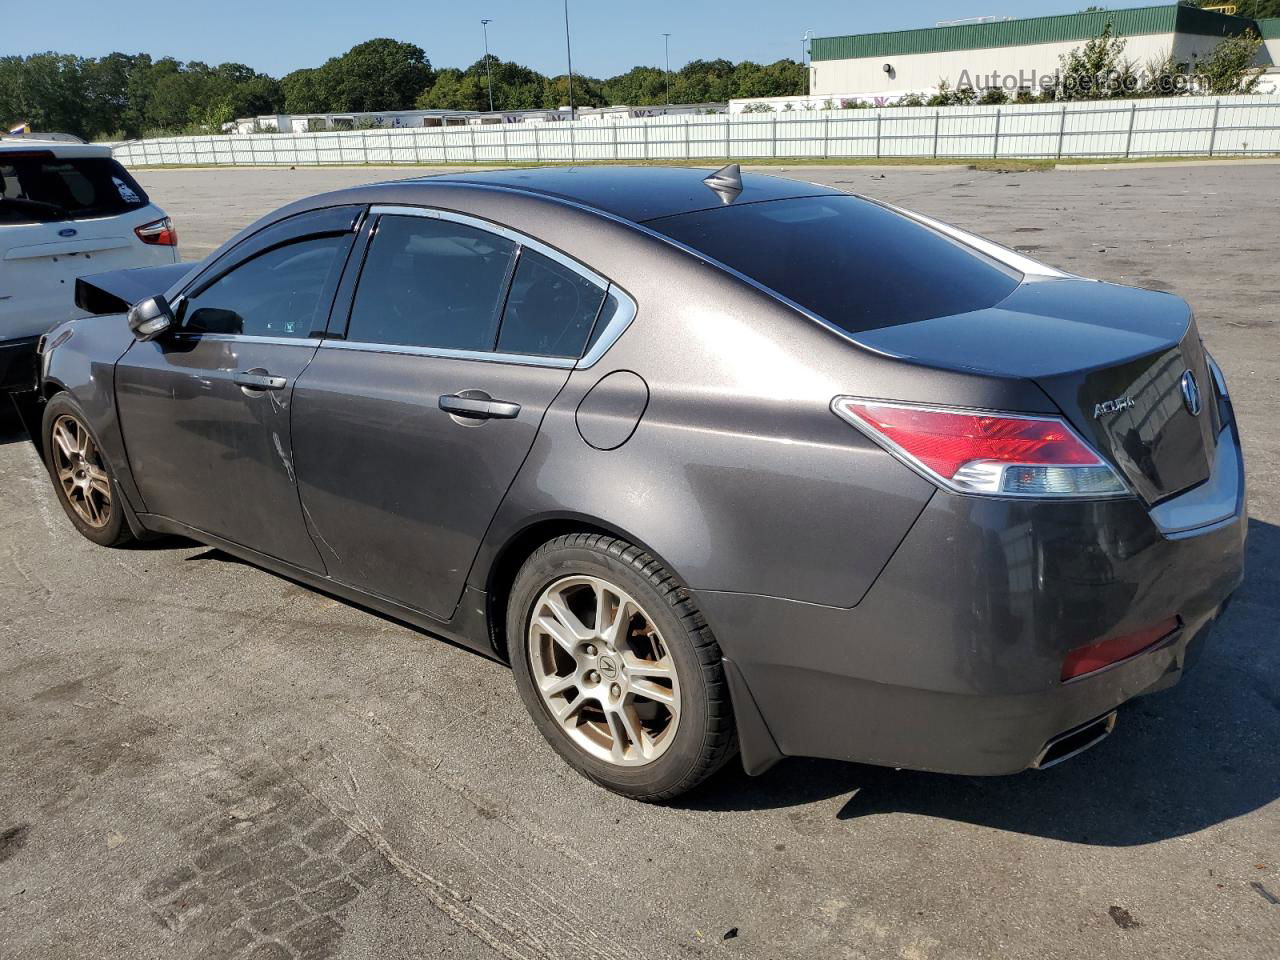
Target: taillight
x,y
1095,656
158,233
973,451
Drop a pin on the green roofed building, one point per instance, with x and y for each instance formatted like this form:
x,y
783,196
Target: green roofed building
x,y
1017,54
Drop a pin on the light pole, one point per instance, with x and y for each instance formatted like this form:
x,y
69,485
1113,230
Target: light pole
x,y
568,50
484,25
666,49
804,43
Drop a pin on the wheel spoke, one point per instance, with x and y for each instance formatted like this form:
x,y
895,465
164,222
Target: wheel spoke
x,y
565,713
64,441
561,611
639,669
654,692
612,633
625,725
98,481
556,631
553,685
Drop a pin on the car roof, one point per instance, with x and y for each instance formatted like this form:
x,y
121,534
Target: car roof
x,y
59,148
634,193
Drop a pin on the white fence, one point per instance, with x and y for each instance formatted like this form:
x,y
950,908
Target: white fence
x,y
1191,126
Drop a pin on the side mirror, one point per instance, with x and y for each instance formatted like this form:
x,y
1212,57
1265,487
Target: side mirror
x,y
150,318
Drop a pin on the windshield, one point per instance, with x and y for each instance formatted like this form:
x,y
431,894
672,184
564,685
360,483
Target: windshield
x,y
852,262
39,187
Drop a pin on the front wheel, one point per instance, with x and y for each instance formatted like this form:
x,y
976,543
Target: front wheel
x,y
618,668
81,479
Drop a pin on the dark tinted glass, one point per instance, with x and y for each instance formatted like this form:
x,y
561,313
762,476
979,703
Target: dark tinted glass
x,y
38,188
851,262
284,292
550,310
431,283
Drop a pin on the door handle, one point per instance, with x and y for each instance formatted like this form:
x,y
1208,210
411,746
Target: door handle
x,y
257,379
478,406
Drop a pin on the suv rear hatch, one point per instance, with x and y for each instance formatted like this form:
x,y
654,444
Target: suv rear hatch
x,y
1111,358
59,216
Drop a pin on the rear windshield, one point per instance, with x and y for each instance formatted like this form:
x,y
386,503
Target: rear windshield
x,y
854,263
40,188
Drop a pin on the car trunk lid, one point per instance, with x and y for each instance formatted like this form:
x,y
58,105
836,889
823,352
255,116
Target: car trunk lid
x,y
1111,358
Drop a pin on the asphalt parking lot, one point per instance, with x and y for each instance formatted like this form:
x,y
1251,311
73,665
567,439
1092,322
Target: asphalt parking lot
x,y
200,759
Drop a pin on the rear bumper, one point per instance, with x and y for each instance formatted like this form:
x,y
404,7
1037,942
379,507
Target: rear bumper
x,y
953,660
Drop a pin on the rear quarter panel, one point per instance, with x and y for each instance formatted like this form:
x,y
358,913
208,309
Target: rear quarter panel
x,y
738,476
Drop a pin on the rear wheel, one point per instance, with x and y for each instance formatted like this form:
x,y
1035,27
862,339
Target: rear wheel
x,y
81,478
618,668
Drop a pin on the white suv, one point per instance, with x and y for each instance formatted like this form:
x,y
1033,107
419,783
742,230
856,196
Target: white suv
x,y
66,210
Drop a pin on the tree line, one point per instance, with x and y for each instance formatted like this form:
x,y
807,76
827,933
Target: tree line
x,y
125,96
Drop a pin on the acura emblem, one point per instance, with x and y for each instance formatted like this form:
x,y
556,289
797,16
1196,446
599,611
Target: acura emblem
x,y
1191,393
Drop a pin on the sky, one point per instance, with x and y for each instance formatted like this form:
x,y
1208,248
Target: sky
x,y
276,36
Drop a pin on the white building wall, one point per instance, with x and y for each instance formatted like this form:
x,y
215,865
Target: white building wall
x,y
921,72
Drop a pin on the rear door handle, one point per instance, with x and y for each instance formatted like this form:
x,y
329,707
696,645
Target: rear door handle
x,y
257,379
478,405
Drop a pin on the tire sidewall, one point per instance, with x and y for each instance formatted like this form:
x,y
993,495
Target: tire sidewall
x,y
113,531
683,756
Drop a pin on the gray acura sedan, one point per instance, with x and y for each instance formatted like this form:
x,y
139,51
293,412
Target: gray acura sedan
x,y
720,464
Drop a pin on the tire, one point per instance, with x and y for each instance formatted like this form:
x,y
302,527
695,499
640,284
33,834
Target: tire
x,y
643,695
82,479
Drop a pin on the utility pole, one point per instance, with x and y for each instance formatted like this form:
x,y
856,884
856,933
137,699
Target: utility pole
x,y
804,43
568,50
484,25
666,49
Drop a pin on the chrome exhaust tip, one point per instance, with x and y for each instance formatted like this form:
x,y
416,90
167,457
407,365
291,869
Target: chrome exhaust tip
x,y
1074,742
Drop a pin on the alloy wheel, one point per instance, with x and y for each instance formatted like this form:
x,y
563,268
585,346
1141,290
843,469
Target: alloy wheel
x,y
80,472
603,671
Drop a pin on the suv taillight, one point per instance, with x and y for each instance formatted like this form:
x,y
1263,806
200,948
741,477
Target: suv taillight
x,y
158,232
975,451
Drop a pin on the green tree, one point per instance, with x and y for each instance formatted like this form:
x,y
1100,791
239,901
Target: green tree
x,y
1097,70
1227,69
454,90
379,74
639,86
587,92
306,91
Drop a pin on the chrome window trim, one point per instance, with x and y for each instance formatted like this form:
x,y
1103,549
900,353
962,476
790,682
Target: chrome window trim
x,y
244,338
618,323
444,353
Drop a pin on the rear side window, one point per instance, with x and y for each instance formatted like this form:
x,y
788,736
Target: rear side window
x,y
284,292
550,310
41,188
854,263
431,283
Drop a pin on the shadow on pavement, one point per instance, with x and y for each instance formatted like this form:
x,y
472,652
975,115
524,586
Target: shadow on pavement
x,y
1202,753
1179,762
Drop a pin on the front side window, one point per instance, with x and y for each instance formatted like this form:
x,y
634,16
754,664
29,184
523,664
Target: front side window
x,y
551,309
284,292
431,283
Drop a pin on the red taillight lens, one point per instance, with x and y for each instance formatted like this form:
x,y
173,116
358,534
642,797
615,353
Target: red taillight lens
x,y
1095,656
979,452
159,233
